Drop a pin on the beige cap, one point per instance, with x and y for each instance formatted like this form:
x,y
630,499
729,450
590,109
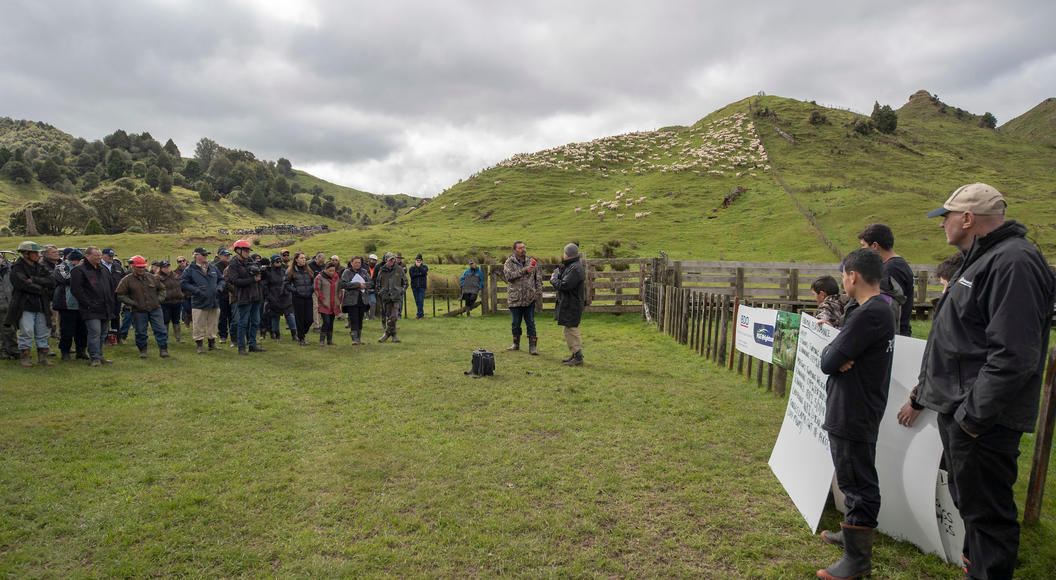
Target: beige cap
x,y
978,198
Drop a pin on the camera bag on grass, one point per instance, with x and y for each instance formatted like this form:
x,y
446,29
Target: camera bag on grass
x,y
483,364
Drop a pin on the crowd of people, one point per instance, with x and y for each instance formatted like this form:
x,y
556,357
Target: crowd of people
x,y
91,299
981,373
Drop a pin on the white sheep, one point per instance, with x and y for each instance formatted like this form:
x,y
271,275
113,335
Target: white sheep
x,y
619,215
579,209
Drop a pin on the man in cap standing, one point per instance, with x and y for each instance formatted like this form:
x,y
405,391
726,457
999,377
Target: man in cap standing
x,y
143,293
203,282
220,262
568,280
524,287
30,308
244,274
390,282
982,368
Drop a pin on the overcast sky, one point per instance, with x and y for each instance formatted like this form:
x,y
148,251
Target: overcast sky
x,y
409,97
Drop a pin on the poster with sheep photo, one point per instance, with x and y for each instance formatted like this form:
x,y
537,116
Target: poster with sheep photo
x,y
786,339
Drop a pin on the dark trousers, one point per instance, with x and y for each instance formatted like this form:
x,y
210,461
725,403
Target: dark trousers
x,y
302,315
982,472
225,317
419,301
328,326
855,463
526,313
470,300
355,316
171,313
72,330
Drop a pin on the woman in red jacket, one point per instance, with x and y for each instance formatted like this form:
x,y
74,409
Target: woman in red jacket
x,y
328,291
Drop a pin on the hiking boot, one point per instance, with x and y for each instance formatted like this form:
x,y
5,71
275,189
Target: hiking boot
x,y
394,339
256,348
330,338
575,360
143,352
322,339
67,356
384,337
163,352
293,336
222,340
42,358
302,342
857,556
242,350
516,344
176,332
26,358
201,347
96,362
82,354
532,343
212,344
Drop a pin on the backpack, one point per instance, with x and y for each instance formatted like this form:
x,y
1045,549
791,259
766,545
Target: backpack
x,y
483,363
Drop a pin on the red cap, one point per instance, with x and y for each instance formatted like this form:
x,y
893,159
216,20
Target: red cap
x,y
139,261
533,261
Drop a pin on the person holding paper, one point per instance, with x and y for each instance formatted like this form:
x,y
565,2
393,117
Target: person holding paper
x,y
858,362
356,282
983,367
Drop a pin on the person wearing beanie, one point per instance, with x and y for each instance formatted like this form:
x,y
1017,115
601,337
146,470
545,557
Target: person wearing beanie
x,y
73,329
419,273
568,279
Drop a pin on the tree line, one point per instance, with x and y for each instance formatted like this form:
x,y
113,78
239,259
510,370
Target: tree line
x,y
122,183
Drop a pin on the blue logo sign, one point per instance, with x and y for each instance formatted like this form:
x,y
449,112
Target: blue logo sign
x,y
764,334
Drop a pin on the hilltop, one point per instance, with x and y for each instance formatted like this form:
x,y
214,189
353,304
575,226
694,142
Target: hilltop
x,y
764,178
1037,124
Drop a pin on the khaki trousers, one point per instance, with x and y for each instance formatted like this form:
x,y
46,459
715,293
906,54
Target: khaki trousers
x,y
204,322
573,339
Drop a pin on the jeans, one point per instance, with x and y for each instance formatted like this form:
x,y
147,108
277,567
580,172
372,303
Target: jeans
x,y
126,323
95,330
248,324
291,323
373,304
73,330
856,476
157,323
419,300
982,471
526,313
33,327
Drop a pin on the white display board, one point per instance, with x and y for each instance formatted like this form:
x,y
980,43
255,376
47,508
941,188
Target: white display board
x,y
915,504
754,332
801,459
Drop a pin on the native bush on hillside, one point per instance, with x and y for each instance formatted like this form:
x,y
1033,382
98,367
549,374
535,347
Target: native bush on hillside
x,y
988,121
818,118
57,215
884,118
17,171
115,207
155,212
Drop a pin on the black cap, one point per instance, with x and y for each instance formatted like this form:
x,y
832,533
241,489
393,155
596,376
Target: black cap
x,y
108,251
201,250
163,263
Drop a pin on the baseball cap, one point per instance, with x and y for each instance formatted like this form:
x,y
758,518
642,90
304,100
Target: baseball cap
x,y
163,263
75,255
978,198
223,252
108,251
373,256
202,251
276,258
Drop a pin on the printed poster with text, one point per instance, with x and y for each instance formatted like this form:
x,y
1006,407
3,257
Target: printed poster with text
x,y
754,334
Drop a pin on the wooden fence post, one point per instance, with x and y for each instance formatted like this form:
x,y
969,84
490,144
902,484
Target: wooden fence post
x,y
793,286
738,282
725,329
1043,444
736,312
780,381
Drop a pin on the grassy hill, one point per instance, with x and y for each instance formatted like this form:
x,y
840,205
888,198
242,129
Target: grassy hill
x,y
1037,124
765,146
799,181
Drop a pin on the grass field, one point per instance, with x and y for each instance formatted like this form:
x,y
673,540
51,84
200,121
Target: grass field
x,y
387,461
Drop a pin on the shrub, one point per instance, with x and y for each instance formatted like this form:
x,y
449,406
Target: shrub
x,y
988,121
818,118
370,246
863,126
134,230
94,228
884,118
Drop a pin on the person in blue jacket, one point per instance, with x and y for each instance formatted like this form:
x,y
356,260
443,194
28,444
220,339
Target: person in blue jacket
x,y
471,283
204,284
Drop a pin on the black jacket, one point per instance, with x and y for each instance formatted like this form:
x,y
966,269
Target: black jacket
x,y
245,288
419,276
93,289
568,281
278,294
303,282
985,355
30,282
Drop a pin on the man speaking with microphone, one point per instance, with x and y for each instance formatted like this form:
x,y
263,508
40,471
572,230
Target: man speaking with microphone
x,y
523,288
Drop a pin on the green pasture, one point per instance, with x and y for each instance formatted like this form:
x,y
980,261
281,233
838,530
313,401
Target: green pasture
x,y
387,461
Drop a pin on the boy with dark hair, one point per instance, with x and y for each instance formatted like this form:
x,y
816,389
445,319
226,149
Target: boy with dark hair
x,y
896,270
830,306
858,362
949,268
